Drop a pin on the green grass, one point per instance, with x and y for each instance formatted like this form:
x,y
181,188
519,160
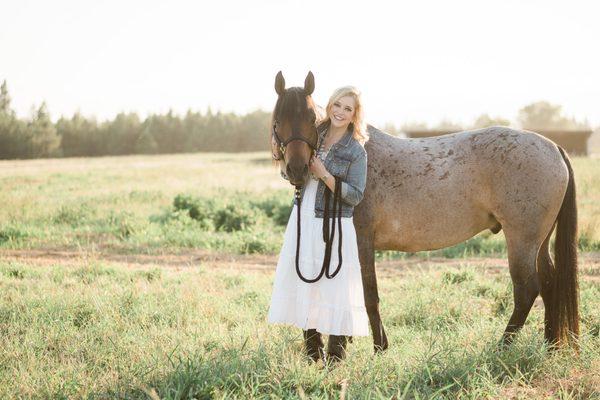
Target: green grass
x,y
238,204
96,329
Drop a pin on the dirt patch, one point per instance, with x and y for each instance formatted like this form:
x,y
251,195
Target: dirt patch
x,y
589,262
189,259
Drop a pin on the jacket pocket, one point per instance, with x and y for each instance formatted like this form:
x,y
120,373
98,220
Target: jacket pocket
x,y
339,167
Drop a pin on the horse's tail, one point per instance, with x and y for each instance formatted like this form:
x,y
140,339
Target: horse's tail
x,y
564,313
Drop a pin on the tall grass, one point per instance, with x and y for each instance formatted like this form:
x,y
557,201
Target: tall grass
x,y
94,329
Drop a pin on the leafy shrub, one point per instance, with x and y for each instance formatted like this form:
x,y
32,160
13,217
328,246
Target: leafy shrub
x,y
256,244
199,209
236,212
230,221
235,217
276,207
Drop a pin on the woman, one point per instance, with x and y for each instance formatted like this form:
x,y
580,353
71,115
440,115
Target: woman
x,y
329,306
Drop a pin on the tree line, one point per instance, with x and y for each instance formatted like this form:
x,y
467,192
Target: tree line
x,y
127,133
537,116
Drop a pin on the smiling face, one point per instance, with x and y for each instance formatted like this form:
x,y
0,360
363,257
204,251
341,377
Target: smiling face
x,y
342,112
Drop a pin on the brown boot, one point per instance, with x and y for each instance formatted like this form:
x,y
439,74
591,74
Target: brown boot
x,y
336,348
314,344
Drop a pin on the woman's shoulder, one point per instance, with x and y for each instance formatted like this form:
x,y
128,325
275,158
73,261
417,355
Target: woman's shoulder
x,y
357,149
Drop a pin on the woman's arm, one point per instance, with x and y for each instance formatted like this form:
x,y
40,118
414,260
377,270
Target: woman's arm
x,y
329,181
353,187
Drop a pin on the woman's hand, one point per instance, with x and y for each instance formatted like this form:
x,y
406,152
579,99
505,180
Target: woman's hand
x,y
316,167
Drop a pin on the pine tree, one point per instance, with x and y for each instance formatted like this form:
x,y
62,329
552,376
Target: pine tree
x,y
44,140
146,144
4,99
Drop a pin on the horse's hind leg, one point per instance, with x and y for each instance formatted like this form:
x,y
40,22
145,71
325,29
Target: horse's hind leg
x,y
522,256
546,272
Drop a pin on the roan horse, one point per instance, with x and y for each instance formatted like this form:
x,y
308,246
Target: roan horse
x,y
430,193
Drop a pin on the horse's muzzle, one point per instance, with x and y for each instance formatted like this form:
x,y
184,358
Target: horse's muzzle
x,y
297,174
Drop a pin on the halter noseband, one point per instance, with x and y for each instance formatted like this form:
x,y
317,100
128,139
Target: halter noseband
x,y
282,144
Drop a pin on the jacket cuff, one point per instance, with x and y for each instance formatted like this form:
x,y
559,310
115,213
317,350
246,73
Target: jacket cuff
x,y
345,190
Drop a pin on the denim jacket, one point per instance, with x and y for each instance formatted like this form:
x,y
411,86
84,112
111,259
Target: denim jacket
x,y
346,159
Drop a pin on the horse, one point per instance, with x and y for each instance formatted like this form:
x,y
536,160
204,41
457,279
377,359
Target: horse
x,y
430,193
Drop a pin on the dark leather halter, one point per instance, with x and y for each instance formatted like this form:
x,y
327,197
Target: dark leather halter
x,y
328,234
282,144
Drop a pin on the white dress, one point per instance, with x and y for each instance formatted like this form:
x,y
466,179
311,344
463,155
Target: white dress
x,y
331,306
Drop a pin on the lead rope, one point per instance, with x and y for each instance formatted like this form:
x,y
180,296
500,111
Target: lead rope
x,y
327,238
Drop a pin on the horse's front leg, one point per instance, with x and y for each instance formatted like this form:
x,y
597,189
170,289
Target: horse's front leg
x,y
366,254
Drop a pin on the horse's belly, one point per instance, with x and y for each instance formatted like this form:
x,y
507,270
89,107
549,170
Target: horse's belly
x,y
414,231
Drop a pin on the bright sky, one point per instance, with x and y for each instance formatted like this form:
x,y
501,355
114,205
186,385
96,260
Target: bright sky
x,y
414,60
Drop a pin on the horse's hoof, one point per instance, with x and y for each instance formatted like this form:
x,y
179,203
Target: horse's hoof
x,y
504,343
379,348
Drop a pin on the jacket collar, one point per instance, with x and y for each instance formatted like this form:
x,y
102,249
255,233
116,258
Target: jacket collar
x,y
322,131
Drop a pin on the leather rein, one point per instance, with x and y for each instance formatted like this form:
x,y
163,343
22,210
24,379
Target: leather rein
x,y
328,234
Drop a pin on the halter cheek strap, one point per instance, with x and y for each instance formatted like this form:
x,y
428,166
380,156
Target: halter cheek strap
x,y
282,144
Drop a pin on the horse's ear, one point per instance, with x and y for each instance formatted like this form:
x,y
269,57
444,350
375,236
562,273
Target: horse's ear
x,y
279,84
309,83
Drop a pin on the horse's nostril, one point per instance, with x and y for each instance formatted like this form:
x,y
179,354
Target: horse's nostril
x,y
305,169
288,170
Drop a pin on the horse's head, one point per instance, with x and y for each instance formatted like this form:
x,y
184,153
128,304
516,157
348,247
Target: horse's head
x,y
294,132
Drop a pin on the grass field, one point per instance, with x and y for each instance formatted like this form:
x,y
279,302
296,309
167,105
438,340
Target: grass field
x,y
241,205
121,279
180,328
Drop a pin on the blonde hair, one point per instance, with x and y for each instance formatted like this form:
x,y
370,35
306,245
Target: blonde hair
x,y
360,127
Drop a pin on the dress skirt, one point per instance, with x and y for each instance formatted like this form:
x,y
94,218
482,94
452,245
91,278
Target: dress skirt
x,y
331,306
